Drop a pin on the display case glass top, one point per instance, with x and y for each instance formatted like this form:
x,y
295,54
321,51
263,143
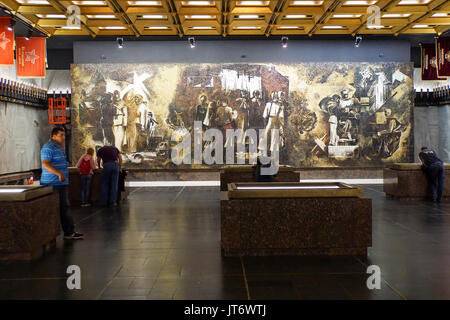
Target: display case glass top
x,y
23,192
292,190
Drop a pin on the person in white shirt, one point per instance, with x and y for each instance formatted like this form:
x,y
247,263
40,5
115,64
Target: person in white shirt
x,y
120,121
334,138
139,122
274,115
142,114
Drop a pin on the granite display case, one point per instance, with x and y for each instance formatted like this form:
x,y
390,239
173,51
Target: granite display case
x,y
96,187
23,192
259,219
30,222
407,181
75,187
245,173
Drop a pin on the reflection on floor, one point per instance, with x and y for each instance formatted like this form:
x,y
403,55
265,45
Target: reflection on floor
x,y
164,243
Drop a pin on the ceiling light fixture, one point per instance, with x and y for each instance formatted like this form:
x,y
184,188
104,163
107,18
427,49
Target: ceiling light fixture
x,y
346,16
295,16
198,3
112,28
200,16
396,15
332,27
252,3
28,35
119,43
101,16
33,2
153,16
144,3
247,28
440,15
12,23
307,3
359,3
411,2
358,40
248,16
191,40
284,41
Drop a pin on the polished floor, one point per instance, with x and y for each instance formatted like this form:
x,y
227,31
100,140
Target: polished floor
x,y
164,243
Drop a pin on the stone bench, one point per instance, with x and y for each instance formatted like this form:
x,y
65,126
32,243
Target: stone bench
x,y
407,181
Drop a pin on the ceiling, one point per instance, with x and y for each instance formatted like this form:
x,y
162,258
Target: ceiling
x,y
233,18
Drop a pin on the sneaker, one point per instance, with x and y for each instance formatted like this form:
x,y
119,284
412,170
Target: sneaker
x,y
73,236
87,204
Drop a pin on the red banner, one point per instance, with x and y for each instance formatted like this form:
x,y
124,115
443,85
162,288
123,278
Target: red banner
x,y
6,42
30,57
443,57
429,63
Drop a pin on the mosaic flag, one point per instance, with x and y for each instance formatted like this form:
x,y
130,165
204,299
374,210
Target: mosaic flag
x,y
443,57
30,57
6,42
429,63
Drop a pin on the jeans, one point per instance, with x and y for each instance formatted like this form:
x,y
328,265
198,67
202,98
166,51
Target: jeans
x,y
110,183
66,218
435,173
85,181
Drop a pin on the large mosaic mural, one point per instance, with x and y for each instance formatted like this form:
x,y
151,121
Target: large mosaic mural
x,y
328,114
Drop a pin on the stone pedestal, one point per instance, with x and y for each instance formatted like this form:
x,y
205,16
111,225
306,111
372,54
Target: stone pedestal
x,y
75,186
296,226
29,228
96,187
407,181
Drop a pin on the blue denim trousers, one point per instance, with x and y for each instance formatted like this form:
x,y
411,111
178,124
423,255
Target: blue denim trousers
x,y
436,175
110,183
85,182
65,216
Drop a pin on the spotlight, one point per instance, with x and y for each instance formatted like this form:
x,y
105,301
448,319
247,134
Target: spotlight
x,y
284,41
11,24
28,35
120,43
358,40
191,42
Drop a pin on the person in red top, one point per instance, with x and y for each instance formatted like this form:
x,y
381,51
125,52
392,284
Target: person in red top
x,y
86,164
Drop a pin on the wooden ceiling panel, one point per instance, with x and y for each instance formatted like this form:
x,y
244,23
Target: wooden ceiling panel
x,y
320,19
